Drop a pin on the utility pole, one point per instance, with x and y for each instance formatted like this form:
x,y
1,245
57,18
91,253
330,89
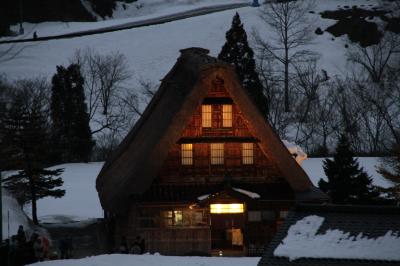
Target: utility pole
x,y
1,209
21,29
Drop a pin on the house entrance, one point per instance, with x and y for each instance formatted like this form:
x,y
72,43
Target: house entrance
x,y
227,226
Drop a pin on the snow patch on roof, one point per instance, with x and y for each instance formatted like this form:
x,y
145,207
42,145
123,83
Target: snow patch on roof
x,y
248,193
302,241
203,197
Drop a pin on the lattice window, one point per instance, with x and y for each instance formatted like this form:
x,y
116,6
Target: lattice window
x,y
187,154
206,115
227,115
217,153
247,153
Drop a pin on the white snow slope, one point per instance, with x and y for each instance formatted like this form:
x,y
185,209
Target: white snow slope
x,y
151,51
152,260
314,169
13,216
80,201
302,241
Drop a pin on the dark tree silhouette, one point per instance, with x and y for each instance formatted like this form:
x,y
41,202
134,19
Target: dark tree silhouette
x,y
347,183
237,52
26,142
72,137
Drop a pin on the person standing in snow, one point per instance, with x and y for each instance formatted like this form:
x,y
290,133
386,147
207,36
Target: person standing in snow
x,y
21,236
46,246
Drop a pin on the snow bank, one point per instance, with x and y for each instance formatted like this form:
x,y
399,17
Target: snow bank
x,y
302,241
152,260
13,216
295,150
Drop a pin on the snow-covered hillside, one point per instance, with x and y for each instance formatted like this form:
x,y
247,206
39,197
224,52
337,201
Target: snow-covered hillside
x,y
152,50
152,260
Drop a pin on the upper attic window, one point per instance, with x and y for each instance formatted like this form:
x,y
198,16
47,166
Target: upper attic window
x,y
226,115
206,115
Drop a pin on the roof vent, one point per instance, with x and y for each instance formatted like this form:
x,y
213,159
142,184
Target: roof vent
x,y
195,50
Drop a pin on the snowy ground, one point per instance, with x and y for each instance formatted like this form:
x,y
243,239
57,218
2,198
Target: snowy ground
x,y
152,260
151,51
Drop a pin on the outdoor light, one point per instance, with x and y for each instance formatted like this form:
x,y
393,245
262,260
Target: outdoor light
x,y
227,208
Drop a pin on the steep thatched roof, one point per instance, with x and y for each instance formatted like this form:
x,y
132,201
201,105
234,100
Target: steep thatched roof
x,y
136,162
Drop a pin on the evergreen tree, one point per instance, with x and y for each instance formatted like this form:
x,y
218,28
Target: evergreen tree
x,y
26,136
70,120
390,169
237,52
347,182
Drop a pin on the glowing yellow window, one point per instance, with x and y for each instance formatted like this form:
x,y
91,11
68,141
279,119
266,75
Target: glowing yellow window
x,y
227,115
227,208
206,115
247,153
217,153
187,154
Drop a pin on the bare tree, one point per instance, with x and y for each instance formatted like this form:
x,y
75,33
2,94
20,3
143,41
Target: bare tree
x,y
273,91
292,30
377,59
105,77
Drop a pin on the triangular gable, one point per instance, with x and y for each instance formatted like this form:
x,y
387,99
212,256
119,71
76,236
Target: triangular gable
x,y
136,162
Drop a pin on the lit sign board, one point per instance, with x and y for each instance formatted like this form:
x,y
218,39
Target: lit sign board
x,y
227,208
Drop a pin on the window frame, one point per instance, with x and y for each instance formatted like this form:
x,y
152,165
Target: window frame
x,y
227,115
247,153
206,115
217,154
186,154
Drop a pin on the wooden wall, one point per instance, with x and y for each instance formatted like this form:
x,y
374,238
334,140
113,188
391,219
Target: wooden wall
x,y
201,171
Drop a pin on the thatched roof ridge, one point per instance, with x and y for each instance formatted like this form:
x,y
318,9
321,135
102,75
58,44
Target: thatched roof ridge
x,y
136,162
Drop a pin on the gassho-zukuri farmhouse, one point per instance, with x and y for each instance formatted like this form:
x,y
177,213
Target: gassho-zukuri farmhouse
x,y
202,171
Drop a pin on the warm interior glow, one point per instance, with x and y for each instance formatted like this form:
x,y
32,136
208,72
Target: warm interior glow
x,y
187,154
227,115
247,153
217,153
206,115
227,208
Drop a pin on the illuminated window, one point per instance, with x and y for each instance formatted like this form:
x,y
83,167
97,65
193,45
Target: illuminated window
x,y
227,115
217,153
178,218
172,218
206,115
187,154
247,153
227,208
